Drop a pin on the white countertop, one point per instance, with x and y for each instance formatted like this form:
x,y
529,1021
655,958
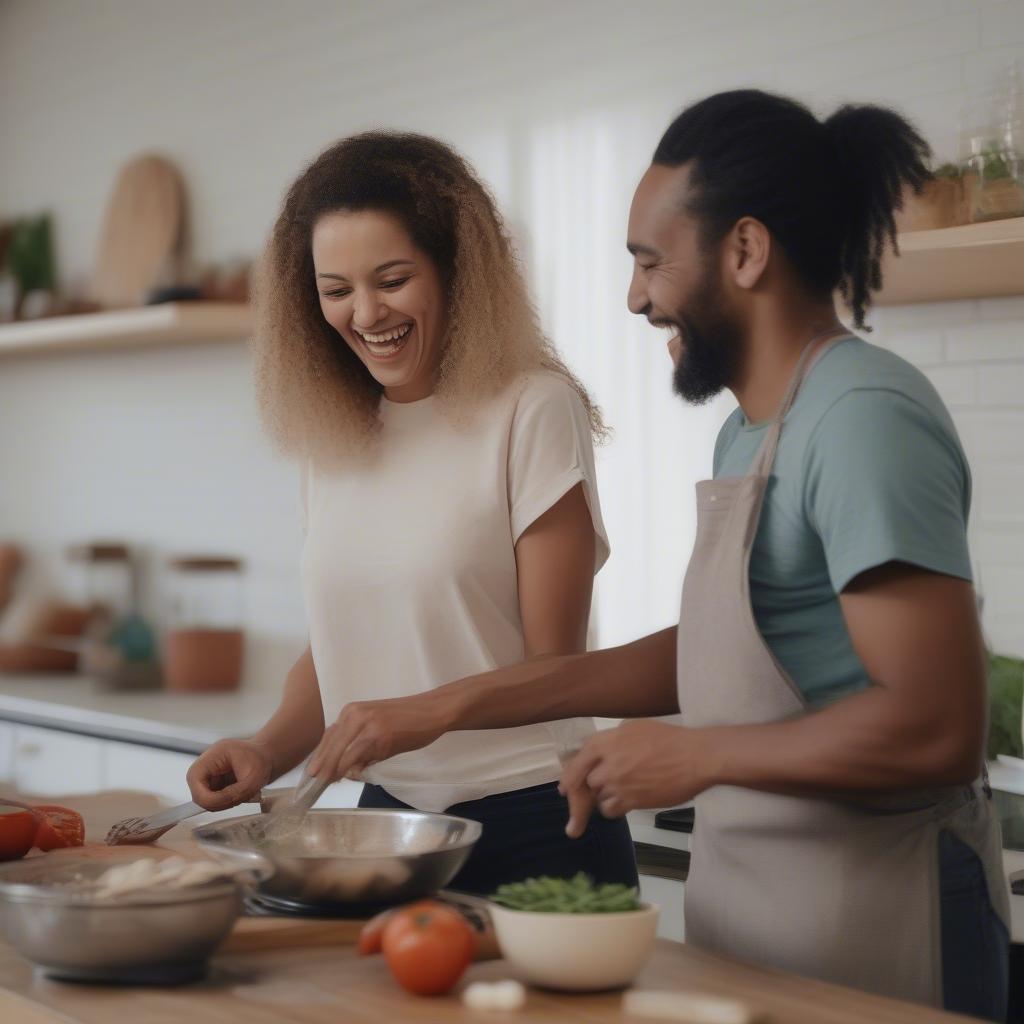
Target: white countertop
x,y
185,722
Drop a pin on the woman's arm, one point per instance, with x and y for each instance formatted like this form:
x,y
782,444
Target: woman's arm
x,y
555,566
235,770
297,725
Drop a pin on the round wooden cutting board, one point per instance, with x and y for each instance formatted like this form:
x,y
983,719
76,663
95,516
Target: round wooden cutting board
x,y
142,231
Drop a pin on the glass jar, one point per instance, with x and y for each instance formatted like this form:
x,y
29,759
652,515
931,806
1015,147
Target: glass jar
x,y
105,579
992,149
994,176
119,647
203,647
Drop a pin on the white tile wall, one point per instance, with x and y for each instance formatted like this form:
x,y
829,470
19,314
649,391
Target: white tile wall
x,y
973,352
242,92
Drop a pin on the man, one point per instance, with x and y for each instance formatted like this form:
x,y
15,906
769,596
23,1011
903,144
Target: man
x,y
828,663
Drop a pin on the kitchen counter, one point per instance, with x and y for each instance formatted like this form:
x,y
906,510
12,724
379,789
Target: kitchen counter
x,y
321,984
181,722
189,723
173,721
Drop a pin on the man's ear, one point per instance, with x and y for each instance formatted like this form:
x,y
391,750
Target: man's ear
x,y
747,251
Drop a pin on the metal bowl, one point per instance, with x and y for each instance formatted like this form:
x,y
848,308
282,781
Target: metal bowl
x,y
161,938
341,858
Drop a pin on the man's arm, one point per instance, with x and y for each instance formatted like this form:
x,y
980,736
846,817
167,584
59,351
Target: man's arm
x,y
920,723
635,680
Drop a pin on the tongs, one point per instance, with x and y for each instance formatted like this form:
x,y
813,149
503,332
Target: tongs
x,y
284,823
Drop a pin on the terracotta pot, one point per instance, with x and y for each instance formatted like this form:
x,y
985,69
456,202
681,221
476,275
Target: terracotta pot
x,y
10,562
940,205
198,660
52,620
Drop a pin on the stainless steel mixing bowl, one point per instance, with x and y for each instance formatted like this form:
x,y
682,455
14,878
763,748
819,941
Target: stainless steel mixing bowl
x,y
52,919
344,857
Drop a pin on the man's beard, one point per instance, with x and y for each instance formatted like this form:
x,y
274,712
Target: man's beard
x,y
711,344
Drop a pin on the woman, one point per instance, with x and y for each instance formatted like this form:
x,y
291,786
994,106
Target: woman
x,y
451,512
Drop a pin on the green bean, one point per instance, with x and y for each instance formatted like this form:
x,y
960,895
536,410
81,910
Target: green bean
x,y
576,895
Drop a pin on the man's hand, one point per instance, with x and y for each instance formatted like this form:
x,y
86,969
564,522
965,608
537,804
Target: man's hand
x,y
639,764
370,731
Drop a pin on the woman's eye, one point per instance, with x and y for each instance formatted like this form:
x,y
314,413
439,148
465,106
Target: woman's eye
x,y
396,283
339,293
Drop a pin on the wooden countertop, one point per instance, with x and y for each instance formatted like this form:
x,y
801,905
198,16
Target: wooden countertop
x,y
328,983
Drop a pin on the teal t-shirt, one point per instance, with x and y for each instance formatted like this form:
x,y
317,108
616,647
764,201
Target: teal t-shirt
x,y
869,470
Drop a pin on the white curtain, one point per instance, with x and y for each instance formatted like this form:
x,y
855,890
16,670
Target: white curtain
x,y
574,182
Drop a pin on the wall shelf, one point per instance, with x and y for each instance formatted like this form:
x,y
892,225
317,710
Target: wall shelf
x,y
969,262
172,323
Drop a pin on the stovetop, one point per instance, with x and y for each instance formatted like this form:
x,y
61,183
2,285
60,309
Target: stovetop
x,y
262,905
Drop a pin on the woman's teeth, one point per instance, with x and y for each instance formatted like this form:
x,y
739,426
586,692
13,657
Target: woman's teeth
x,y
386,343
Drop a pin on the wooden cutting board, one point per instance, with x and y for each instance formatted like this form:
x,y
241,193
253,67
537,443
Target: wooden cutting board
x,y
252,934
142,231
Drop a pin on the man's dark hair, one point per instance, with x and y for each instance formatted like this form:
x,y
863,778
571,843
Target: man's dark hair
x,y
827,191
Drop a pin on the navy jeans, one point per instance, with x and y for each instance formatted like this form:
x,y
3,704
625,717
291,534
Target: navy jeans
x,y
524,836
975,944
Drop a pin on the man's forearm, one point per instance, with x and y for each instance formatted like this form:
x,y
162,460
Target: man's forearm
x,y
865,743
297,725
636,680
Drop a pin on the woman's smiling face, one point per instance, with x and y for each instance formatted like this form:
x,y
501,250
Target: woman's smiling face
x,y
384,296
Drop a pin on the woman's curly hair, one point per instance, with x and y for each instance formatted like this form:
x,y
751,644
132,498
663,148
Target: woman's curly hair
x,y
316,396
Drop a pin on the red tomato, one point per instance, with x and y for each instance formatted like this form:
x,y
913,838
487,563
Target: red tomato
x,y
372,933
17,833
58,827
427,946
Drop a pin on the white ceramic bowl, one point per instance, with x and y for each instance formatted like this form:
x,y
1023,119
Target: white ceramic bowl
x,y
576,952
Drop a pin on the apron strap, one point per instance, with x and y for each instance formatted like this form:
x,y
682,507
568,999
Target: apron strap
x,y
765,458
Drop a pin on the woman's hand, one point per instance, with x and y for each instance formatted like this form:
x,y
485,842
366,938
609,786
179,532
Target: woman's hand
x,y
367,732
229,773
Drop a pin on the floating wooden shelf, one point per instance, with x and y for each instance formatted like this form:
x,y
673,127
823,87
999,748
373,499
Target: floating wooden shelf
x,y
969,262
172,323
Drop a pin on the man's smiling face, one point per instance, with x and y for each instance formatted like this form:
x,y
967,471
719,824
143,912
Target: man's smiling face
x,y
677,284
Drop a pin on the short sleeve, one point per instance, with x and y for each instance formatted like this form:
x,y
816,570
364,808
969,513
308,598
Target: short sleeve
x,y
885,480
550,451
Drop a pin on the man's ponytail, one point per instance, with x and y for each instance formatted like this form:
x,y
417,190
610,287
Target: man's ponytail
x,y
879,155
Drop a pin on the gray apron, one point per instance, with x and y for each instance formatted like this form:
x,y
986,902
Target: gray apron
x,y
841,890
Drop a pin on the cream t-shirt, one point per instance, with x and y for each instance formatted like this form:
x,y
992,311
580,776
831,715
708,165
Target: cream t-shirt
x,y
409,574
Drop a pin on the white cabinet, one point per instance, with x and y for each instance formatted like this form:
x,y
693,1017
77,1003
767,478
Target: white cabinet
x,y
130,766
51,763
6,753
667,893
47,762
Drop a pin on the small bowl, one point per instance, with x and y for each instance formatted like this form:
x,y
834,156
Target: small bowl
x,y
160,938
576,952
